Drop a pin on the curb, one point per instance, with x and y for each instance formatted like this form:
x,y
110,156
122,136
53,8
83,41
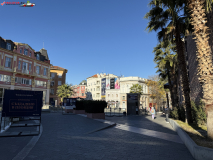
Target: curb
x,y
198,152
26,150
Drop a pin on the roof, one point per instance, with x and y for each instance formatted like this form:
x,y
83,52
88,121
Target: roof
x,y
94,76
57,67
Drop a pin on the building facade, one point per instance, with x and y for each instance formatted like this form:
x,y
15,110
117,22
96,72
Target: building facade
x,y
21,68
94,84
113,98
79,90
125,85
58,78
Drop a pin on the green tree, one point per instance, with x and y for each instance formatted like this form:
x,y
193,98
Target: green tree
x,y
64,91
136,88
172,23
156,92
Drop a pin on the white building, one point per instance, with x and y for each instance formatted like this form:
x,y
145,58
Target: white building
x,y
113,97
93,91
125,85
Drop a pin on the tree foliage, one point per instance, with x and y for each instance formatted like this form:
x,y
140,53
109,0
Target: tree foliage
x,y
64,91
136,88
156,91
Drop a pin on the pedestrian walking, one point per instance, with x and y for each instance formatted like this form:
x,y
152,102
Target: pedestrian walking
x,y
167,112
152,111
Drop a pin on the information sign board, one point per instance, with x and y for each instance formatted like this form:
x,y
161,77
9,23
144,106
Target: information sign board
x,y
21,103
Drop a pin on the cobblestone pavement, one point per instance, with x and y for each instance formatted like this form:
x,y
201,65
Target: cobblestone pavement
x,y
11,146
146,122
65,137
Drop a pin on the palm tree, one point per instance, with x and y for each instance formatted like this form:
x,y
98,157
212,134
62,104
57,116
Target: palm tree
x,y
166,60
198,10
64,91
166,19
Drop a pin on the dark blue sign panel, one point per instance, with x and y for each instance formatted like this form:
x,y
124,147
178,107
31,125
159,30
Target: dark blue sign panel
x,y
20,103
103,86
69,101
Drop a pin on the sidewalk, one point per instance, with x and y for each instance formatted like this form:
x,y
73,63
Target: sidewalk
x,y
11,146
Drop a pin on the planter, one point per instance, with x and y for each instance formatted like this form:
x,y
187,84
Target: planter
x,y
198,152
96,115
79,111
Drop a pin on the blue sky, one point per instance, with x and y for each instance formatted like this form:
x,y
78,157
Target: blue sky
x,y
85,36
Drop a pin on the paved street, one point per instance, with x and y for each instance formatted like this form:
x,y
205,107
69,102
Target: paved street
x,y
68,137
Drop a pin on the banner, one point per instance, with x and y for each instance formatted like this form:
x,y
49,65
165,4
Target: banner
x,y
112,83
21,103
103,86
117,83
107,83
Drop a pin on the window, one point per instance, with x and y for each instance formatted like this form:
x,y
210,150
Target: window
x,y
108,95
25,51
24,66
116,95
112,95
20,80
59,76
123,97
30,67
45,71
5,78
82,94
52,75
40,83
8,62
37,57
91,89
8,46
59,83
94,89
19,65
30,54
38,69
21,50
52,83
52,91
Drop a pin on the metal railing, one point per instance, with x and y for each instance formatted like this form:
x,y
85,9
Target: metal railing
x,y
53,108
4,122
118,112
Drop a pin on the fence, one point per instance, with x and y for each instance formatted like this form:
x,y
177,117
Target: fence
x,y
55,108
115,112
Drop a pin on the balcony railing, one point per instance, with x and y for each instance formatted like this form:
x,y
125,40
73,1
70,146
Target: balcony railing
x,y
25,71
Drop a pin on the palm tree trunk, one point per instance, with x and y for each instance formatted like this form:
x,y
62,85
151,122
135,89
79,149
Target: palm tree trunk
x,y
182,66
170,89
175,90
204,56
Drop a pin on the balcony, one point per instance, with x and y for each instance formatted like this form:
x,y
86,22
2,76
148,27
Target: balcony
x,y
25,71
